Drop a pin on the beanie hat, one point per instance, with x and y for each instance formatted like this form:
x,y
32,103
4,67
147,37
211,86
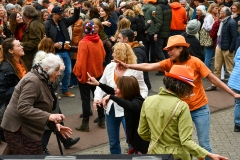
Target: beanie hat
x,y
202,9
89,28
193,27
10,6
151,1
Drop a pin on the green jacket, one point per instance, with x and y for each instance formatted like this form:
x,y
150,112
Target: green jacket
x,y
177,137
148,10
31,38
163,19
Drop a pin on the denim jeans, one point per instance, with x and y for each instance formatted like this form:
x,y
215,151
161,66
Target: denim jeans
x,y
73,80
201,119
113,128
237,109
208,56
68,69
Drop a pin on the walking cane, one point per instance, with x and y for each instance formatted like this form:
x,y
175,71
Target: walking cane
x,y
58,140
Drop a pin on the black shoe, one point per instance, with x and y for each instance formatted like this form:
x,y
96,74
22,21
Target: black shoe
x,y
236,128
96,120
211,88
91,114
70,142
45,151
160,74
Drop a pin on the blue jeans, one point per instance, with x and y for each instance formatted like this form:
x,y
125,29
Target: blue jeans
x,y
201,119
73,80
68,69
208,56
113,126
237,110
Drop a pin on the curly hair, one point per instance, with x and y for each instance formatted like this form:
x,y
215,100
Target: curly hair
x,y
129,13
178,87
124,53
137,9
122,24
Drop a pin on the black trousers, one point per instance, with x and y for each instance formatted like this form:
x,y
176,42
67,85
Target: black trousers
x,y
85,91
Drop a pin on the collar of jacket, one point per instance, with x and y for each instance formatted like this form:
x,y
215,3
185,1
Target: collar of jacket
x,y
38,75
166,92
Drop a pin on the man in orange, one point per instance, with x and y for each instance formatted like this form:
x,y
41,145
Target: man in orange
x,y
198,102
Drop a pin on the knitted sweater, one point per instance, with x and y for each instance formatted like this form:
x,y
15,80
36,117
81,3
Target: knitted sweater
x,y
90,58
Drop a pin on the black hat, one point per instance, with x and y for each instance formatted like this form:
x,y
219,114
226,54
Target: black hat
x,y
57,10
46,1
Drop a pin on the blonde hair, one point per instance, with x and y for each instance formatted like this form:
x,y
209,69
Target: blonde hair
x,y
124,53
122,24
129,13
211,7
137,9
97,22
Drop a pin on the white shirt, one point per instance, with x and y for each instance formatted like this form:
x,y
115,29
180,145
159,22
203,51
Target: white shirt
x,y
108,79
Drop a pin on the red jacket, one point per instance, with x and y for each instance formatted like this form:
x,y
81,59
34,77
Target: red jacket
x,y
179,17
90,58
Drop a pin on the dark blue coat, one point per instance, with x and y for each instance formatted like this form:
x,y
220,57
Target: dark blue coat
x,y
229,35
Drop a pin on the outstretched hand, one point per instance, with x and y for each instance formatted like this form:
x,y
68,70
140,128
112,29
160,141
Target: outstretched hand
x,y
120,63
92,80
216,157
64,131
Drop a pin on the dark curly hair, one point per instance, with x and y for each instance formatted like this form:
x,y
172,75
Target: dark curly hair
x,y
178,87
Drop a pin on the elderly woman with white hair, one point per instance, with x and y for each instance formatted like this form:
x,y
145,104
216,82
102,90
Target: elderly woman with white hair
x,y
200,13
30,107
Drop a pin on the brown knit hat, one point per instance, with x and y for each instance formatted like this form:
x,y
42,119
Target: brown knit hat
x,y
151,1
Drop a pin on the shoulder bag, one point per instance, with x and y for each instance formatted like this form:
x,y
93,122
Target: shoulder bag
x,y
169,120
205,39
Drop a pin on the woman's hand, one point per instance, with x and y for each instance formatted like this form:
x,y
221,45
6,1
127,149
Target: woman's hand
x,y
112,39
92,81
107,23
64,131
216,157
96,103
121,64
105,101
56,118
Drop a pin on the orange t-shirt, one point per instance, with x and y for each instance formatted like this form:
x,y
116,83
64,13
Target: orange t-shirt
x,y
198,97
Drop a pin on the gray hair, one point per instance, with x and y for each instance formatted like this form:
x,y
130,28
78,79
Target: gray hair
x,y
227,11
48,61
18,7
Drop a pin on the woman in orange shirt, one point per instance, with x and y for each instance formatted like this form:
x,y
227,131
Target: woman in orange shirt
x,y
198,102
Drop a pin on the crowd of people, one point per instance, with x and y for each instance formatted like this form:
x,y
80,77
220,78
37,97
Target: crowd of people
x,y
106,48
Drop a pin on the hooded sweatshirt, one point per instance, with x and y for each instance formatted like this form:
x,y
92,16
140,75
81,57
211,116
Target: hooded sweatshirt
x,y
179,17
90,58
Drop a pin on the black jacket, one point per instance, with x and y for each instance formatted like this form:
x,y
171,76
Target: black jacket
x,y
195,48
140,52
132,109
163,18
51,28
8,80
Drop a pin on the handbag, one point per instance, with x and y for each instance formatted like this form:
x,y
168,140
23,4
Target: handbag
x,y
205,39
169,120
